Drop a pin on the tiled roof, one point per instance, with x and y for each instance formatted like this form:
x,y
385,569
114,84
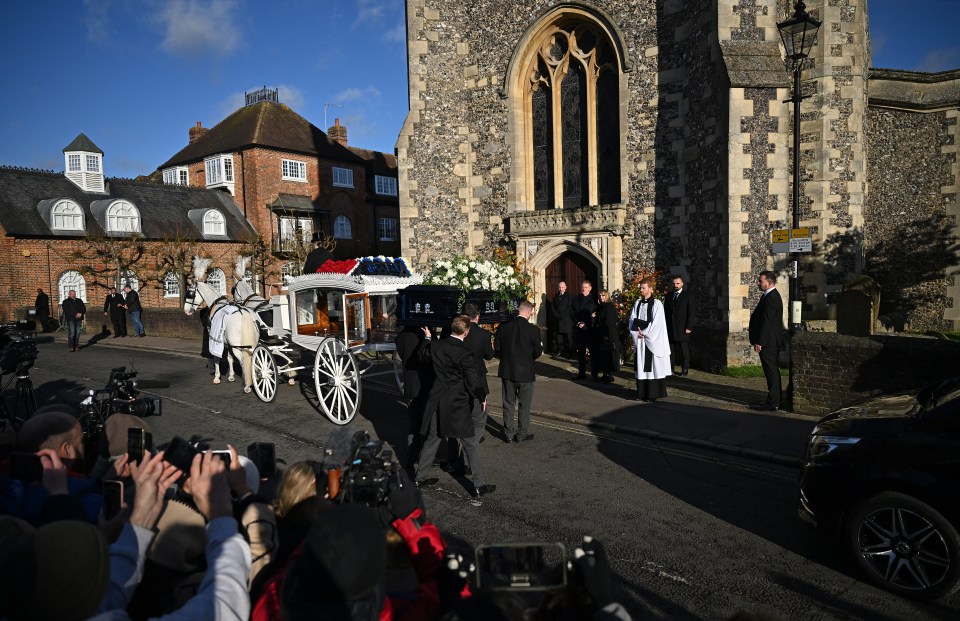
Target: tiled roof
x,y
383,163
264,124
26,195
82,143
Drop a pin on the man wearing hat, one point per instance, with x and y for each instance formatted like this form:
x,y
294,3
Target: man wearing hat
x,y
323,247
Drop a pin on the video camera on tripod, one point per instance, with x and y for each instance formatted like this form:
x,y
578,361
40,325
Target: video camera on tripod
x,y
362,472
18,352
120,396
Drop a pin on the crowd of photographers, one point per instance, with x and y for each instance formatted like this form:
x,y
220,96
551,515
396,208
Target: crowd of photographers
x,y
101,527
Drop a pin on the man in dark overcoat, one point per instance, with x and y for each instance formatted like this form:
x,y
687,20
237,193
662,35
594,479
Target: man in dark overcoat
x,y
518,345
447,413
131,302
563,322
323,247
113,308
680,310
766,336
417,380
583,308
42,306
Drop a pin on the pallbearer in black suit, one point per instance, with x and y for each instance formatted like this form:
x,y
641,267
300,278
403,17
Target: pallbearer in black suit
x,y
480,342
417,380
448,405
518,345
681,310
113,308
766,336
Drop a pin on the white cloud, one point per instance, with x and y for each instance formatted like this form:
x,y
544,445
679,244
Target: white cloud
x,y
940,60
397,34
355,94
96,21
369,12
198,28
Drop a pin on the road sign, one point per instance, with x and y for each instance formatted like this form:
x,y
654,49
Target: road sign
x,y
781,236
801,244
794,233
792,240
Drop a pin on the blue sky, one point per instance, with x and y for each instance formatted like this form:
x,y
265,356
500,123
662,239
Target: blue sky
x,y
135,75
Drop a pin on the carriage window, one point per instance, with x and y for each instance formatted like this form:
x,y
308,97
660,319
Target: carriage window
x,y
383,312
358,318
319,312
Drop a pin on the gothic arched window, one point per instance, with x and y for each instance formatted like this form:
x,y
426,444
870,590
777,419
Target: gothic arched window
x,y
573,117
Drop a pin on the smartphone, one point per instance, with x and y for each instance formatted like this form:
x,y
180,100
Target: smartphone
x,y
112,498
180,453
224,457
521,566
26,467
264,457
138,441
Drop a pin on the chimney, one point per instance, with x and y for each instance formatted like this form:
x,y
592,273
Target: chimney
x,y
196,133
338,133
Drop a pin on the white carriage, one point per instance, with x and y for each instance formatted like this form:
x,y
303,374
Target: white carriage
x,y
348,318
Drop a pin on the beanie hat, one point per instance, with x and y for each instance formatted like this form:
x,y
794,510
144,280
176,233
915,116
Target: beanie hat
x,y
116,431
343,559
64,567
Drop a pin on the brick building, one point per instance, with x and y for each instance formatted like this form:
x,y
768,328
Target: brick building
x,y
81,230
290,179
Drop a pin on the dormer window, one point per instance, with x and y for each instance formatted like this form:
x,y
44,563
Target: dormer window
x,y
73,162
213,223
219,170
67,216
176,176
122,217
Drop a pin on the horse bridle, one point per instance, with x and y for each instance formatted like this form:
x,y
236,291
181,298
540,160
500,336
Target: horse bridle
x,y
191,298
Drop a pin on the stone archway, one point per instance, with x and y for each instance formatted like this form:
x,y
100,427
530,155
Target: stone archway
x,y
542,255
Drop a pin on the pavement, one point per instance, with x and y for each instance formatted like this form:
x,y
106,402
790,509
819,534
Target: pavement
x,y
702,410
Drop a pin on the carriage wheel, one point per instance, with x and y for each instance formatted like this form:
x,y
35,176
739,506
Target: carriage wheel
x,y
264,374
337,381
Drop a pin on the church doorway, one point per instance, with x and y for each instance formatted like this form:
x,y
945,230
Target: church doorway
x,y
572,268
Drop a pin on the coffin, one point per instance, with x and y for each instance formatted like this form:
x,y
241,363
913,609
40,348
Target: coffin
x,y
437,305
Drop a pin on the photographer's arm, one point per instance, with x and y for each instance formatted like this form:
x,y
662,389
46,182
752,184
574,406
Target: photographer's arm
x,y
256,518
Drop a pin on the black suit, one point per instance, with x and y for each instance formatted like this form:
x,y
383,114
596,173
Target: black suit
x,y
42,304
480,342
680,311
316,258
563,323
447,411
417,381
113,306
581,311
518,344
766,330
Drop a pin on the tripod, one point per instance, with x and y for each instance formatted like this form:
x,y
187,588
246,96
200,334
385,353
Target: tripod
x,y
22,393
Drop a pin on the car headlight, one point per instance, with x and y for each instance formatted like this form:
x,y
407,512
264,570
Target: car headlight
x,y
824,445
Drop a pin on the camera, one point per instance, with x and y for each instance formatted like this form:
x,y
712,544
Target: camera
x,y
127,399
521,566
119,396
18,346
368,474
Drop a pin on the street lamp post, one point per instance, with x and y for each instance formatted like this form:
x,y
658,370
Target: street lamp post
x,y
799,33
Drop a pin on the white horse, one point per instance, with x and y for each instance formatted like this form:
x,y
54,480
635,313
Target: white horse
x,y
240,330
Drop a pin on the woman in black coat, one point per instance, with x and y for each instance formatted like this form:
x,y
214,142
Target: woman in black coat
x,y
605,353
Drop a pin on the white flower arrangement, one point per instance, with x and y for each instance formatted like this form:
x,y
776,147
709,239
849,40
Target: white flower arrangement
x,y
468,274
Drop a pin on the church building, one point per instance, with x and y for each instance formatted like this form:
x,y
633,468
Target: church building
x,y
601,139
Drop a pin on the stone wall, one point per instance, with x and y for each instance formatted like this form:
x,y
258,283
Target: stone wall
x,y
831,370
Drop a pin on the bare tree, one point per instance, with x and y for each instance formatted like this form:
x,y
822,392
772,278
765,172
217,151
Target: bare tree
x,y
175,255
107,259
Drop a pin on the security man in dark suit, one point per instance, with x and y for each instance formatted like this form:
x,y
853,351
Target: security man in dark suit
x,y
447,413
417,380
518,345
766,337
563,322
480,342
113,308
680,311
582,311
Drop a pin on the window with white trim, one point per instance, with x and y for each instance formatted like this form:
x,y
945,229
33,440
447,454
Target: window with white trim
x,y
217,280
293,268
93,163
176,176
67,216
248,278
387,229
71,279
123,217
295,233
73,162
171,285
213,223
127,277
342,177
292,170
219,169
386,186
342,228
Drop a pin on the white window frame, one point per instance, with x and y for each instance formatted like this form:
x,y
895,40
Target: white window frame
x,y
342,228
214,223
293,268
171,285
129,277
73,162
71,279
63,210
217,280
342,177
386,186
123,223
388,229
293,170
93,163
176,176
219,170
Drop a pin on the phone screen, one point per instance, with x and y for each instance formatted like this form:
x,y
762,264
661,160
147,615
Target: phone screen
x,y
224,457
264,457
112,498
180,453
521,566
136,443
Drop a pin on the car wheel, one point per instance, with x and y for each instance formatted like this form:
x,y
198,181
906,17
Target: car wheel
x,y
904,546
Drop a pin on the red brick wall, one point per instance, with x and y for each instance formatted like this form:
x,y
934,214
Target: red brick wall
x,y
26,264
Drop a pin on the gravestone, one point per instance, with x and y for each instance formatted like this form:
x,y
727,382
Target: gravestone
x,y
857,307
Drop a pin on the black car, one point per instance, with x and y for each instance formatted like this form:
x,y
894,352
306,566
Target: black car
x,y
883,477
